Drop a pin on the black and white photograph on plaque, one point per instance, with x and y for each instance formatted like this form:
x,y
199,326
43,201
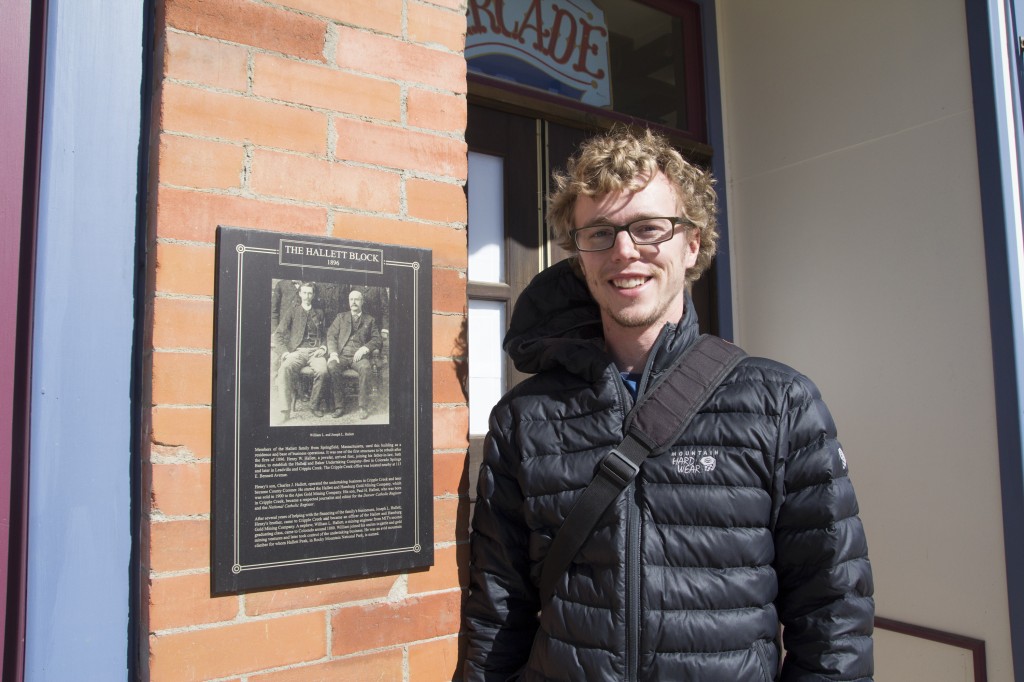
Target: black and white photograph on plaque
x,y
322,464
329,348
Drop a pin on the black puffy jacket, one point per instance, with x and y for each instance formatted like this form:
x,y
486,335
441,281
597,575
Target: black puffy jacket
x,y
749,521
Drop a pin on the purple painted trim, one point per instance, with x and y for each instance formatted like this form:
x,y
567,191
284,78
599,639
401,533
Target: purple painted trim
x,y
19,127
22,56
14,53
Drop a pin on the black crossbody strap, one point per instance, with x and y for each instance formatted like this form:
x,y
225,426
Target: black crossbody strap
x,y
658,419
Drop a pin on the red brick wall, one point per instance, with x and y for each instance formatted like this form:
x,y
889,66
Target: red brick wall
x,y
329,117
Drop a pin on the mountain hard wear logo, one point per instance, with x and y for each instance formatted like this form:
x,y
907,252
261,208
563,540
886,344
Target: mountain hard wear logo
x,y
695,460
842,458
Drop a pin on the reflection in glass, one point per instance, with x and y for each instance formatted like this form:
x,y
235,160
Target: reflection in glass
x,y
486,363
486,218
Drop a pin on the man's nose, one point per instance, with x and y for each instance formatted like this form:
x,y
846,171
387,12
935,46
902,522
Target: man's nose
x,y
623,246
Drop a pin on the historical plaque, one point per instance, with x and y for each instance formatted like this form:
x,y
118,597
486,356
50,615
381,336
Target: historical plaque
x,y
322,409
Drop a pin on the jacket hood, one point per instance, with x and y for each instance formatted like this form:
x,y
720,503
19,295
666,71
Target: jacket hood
x,y
557,323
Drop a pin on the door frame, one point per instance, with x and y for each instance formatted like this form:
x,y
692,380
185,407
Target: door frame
x,y
994,28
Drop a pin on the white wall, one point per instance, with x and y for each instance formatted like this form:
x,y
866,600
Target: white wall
x,y
857,257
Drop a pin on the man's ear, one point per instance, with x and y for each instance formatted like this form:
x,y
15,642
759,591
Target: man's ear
x,y
692,247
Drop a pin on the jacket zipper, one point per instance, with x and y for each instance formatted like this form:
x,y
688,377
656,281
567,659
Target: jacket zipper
x,y
633,534
632,583
632,595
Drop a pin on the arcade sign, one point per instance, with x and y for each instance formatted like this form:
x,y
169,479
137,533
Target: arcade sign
x,y
560,46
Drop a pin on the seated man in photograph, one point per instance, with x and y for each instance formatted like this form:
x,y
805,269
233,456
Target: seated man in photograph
x,y
351,341
300,334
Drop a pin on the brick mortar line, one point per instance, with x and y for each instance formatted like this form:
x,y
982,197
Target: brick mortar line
x,y
245,180
456,227
330,51
169,460
329,22
450,268
329,630
329,609
447,544
329,157
269,3
462,9
330,65
278,200
403,104
339,22
410,174
437,47
183,350
458,136
160,575
158,517
250,95
452,225
253,675
250,72
183,242
332,142
237,620
246,193
403,192
206,87
170,296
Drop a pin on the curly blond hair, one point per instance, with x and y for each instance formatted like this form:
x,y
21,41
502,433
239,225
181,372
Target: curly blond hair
x,y
623,160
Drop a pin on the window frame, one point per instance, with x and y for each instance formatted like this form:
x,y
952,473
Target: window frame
x,y
530,101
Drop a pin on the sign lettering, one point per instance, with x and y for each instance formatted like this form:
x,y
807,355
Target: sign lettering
x,y
559,46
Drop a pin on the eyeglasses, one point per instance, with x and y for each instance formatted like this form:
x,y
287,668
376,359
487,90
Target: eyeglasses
x,y
643,231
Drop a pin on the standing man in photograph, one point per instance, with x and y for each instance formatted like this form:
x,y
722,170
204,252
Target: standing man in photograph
x,y
284,295
300,334
747,523
351,341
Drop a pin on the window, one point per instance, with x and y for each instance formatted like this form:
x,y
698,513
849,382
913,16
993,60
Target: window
x,y
620,59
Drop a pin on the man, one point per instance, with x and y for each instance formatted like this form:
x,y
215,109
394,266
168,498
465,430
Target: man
x,y
749,522
284,295
375,302
351,340
300,334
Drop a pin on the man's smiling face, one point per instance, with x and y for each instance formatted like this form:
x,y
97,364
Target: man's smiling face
x,y
638,288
